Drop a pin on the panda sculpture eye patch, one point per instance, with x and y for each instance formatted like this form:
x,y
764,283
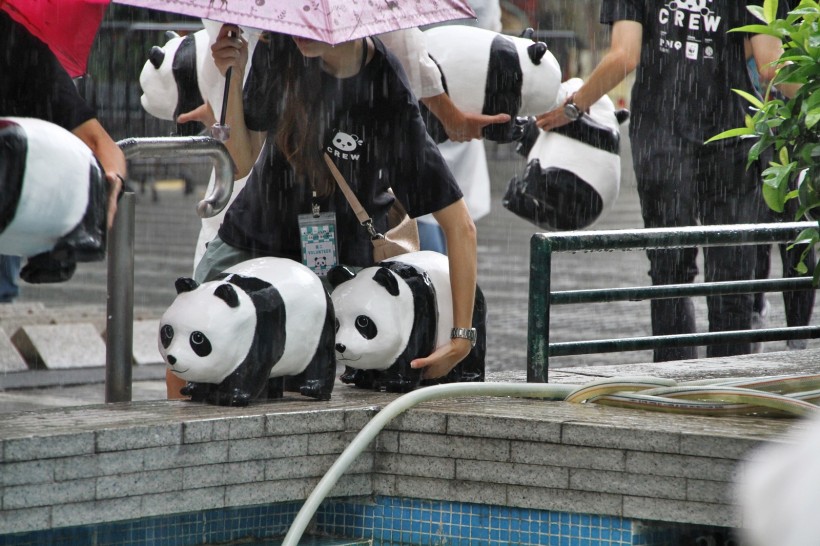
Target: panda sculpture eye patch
x,y
166,335
200,344
366,327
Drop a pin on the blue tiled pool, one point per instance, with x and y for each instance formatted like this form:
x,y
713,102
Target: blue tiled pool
x,y
385,520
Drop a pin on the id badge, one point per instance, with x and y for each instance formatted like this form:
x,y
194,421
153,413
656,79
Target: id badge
x,y
318,241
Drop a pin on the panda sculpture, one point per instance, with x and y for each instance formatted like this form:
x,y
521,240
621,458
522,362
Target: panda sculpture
x,y
485,72
53,205
264,323
181,75
573,173
394,312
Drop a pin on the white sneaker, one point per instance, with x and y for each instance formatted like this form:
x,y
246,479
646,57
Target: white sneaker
x,y
797,344
760,320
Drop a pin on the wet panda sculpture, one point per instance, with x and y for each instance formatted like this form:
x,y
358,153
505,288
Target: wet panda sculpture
x,y
264,323
52,199
181,75
573,173
394,312
485,72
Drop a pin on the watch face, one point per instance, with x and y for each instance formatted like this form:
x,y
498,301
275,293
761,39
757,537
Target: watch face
x,y
571,111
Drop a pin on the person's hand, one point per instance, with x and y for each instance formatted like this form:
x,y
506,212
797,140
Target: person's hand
x,y
203,113
552,119
443,359
230,50
115,185
469,126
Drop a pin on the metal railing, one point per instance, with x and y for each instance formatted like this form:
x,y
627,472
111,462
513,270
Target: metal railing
x,y
541,297
120,304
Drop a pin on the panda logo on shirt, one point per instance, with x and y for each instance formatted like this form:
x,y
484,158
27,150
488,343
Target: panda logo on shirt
x,y
345,146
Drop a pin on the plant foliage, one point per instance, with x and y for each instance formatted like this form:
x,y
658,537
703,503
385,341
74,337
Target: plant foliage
x,y
789,126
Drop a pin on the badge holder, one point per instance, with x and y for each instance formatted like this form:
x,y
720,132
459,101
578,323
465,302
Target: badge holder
x,y
317,232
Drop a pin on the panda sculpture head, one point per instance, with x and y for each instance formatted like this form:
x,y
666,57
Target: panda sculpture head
x,y
573,173
181,75
208,331
485,72
384,315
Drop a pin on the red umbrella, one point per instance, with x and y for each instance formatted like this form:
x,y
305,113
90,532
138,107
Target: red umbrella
x,y
67,26
330,21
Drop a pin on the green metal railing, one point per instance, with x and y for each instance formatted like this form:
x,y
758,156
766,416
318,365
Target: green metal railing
x,y
543,245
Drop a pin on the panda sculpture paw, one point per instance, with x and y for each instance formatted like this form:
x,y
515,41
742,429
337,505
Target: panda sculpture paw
x,y
315,389
47,268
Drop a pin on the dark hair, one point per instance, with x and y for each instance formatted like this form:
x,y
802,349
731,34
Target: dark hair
x,y
303,122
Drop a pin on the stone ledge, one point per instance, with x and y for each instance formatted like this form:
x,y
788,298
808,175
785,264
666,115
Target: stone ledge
x,y
84,465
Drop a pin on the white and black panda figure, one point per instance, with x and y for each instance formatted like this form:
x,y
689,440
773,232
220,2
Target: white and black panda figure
x,y
181,75
573,173
266,323
394,312
52,199
485,72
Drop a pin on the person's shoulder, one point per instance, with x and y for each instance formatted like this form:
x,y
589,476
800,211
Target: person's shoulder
x,y
388,63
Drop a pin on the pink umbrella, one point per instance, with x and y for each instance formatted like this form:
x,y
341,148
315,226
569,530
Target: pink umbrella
x,y
330,21
68,27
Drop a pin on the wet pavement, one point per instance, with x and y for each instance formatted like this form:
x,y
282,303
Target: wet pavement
x,y
167,228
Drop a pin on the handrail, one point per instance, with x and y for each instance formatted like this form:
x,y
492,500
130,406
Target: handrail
x,y
120,304
542,245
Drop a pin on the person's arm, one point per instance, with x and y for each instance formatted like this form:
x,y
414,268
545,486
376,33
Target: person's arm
x,y
460,126
424,77
623,57
766,50
244,145
110,157
460,233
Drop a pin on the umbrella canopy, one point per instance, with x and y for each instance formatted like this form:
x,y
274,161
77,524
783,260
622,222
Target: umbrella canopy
x,y
330,21
68,27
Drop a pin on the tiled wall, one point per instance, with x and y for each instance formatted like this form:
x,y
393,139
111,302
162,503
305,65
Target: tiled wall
x,y
385,520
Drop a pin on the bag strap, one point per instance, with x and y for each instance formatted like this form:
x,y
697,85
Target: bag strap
x,y
364,219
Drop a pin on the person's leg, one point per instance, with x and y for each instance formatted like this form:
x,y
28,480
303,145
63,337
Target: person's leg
x,y
666,202
728,193
9,273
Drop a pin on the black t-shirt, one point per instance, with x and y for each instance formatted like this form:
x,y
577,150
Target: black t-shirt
x,y
376,138
32,81
689,65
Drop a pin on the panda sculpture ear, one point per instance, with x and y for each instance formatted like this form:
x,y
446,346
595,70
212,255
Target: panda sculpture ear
x,y
339,274
226,293
621,115
536,52
528,33
386,279
185,284
156,56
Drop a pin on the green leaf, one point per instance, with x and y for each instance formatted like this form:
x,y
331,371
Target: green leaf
x,y
753,99
760,29
769,10
773,198
784,155
731,133
812,117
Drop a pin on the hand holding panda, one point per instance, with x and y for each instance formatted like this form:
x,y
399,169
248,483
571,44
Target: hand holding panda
x,y
398,312
486,72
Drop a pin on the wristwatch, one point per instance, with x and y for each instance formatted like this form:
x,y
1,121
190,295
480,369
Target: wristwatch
x,y
466,333
571,110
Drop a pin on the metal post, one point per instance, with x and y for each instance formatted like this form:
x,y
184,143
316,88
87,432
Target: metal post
x,y
120,308
539,310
